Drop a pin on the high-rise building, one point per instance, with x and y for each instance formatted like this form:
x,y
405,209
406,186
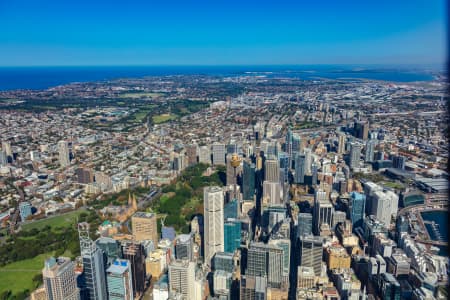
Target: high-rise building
x,y
266,260
191,153
222,284
283,159
323,211
315,173
308,160
218,152
6,147
398,161
204,154
253,287
93,264
285,245
110,248
296,144
305,222
184,246
361,130
59,279
181,278
223,261
300,168
248,180
232,235
271,193
144,227
3,158
355,154
84,175
118,278
134,252
370,151
25,210
341,143
63,154
213,220
390,287
311,252
305,277
357,209
272,170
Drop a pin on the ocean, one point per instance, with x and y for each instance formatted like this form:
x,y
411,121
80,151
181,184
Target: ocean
x,y
441,218
38,78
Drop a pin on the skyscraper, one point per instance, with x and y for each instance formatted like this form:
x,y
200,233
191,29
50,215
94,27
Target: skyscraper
x,y
93,264
248,180
232,235
341,143
398,162
191,152
134,252
204,155
323,211
311,253
305,222
118,277
213,220
308,160
266,260
272,170
300,162
370,151
218,152
283,159
63,154
184,246
253,287
357,208
355,154
181,278
60,280
144,227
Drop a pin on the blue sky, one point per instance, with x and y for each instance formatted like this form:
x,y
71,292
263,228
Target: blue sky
x,y
221,32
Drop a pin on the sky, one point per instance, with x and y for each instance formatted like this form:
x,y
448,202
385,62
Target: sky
x,y
221,32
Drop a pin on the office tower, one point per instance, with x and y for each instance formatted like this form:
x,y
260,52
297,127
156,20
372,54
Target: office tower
x,y
305,222
314,174
84,175
370,151
296,144
300,165
271,170
184,246
253,287
233,167
204,155
230,210
93,264
389,286
110,248
323,211
232,235
191,153
283,159
213,220
232,148
161,288
248,180
271,193
6,147
339,217
357,209
218,152
341,143
63,154
398,162
305,278
308,161
118,277
222,284
337,257
181,278
223,261
355,154
288,144
144,227
311,252
59,279
285,245
361,130
134,252
266,260
257,259
25,210
3,158
384,205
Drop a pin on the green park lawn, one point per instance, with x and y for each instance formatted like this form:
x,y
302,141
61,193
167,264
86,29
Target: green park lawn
x,y
18,276
163,118
64,220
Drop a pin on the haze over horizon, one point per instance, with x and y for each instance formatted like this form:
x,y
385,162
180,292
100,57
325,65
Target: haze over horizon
x,y
112,33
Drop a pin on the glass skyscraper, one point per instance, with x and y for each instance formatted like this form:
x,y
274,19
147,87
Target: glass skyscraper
x,y
232,235
357,207
248,180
